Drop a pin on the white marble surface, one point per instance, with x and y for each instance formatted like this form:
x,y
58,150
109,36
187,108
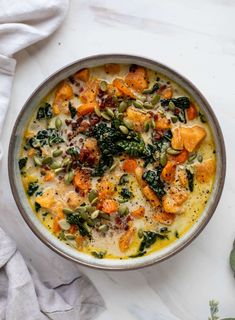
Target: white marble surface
x,y
197,38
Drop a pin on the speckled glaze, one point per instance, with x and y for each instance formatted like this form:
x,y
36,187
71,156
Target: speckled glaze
x,y
22,202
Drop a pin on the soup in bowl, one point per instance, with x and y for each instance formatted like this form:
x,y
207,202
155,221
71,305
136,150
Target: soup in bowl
x,y
118,162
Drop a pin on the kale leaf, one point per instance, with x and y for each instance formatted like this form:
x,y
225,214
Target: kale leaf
x,y
149,238
22,162
126,193
132,148
45,137
79,222
32,188
153,178
44,111
181,104
72,110
190,177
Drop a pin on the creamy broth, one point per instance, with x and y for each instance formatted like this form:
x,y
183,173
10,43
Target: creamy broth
x,y
118,161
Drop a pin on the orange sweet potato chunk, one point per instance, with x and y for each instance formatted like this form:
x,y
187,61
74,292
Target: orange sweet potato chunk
x,y
82,75
63,93
86,108
47,199
112,68
138,118
138,213
123,88
82,181
177,141
164,217
162,123
137,79
204,171
168,172
192,137
126,239
109,206
151,196
90,91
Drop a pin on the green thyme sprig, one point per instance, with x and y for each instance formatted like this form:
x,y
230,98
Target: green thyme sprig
x,y
214,311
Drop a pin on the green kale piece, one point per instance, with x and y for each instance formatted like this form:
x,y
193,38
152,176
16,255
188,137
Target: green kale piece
x,y
72,110
22,162
149,238
153,178
32,188
44,111
79,222
190,177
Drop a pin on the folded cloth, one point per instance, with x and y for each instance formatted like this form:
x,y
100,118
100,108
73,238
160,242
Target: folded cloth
x,y
22,294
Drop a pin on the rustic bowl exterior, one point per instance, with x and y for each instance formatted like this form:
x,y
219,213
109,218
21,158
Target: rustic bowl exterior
x,y
19,194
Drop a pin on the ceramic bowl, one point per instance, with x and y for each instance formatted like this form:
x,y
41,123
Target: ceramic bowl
x,y
23,204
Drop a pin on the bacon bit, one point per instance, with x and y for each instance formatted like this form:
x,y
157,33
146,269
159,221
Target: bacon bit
x,y
86,157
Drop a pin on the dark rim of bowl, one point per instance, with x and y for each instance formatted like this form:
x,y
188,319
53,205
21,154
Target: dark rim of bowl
x,y
211,209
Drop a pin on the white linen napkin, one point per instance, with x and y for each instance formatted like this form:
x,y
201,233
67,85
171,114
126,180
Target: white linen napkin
x,y
22,294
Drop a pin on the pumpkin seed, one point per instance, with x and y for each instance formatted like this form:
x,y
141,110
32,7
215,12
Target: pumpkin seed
x,y
123,129
174,119
103,228
122,106
163,159
57,153
97,111
37,161
138,104
109,112
123,211
103,86
113,167
55,165
104,215
69,236
92,195
173,151
85,225
84,215
90,209
67,211
47,160
142,98
90,222
36,143
152,123
66,162
58,170
171,106
94,201
155,98
58,123
105,116
95,214
200,158
81,209
146,126
128,124
140,233
148,105
192,157
68,177
64,224
232,260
